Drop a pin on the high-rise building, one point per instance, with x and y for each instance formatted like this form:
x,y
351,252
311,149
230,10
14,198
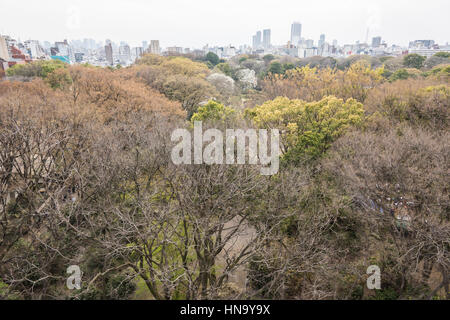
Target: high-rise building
x,y
34,49
266,38
309,43
376,42
145,45
109,54
125,53
254,42
137,52
321,40
296,33
258,38
154,47
3,49
175,50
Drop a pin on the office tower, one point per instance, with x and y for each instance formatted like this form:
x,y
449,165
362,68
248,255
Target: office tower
x,y
125,53
109,54
3,49
335,43
322,40
154,47
138,51
175,50
258,38
296,33
309,43
254,42
266,38
376,42
145,45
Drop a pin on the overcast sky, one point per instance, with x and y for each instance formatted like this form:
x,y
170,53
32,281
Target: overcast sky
x,y
198,22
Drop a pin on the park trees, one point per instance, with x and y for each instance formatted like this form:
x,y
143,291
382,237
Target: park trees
x,y
414,60
308,129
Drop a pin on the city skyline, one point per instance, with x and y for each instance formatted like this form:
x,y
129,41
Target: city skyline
x,y
196,24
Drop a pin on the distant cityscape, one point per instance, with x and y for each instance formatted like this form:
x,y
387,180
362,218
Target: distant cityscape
x,y
109,53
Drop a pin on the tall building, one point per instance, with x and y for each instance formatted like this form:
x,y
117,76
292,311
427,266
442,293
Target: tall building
x,y
145,45
266,38
254,42
154,47
258,38
321,40
34,49
109,54
137,52
125,53
376,42
175,50
296,33
3,49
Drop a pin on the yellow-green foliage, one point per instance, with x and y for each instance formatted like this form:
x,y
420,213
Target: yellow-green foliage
x,y
308,129
176,65
214,111
36,69
312,84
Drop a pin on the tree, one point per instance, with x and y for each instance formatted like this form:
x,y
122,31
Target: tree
x,y
36,68
214,111
225,69
275,68
308,128
190,91
442,55
247,78
414,60
224,84
268,58
312,84
213,58
401,74
407,205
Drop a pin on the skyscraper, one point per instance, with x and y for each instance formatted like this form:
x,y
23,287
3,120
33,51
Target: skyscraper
x,y
258,38
266,38
322,40
296,33
254,42
376,42
154,47
109,54
309,43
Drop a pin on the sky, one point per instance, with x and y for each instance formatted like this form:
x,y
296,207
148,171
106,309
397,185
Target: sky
x,y
198,22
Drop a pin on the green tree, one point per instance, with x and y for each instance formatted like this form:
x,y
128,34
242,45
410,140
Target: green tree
x,y
213,58
214,111
401,74
414,60
268,57
308,128
276,68
225,69
36,69
442,55
288,66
